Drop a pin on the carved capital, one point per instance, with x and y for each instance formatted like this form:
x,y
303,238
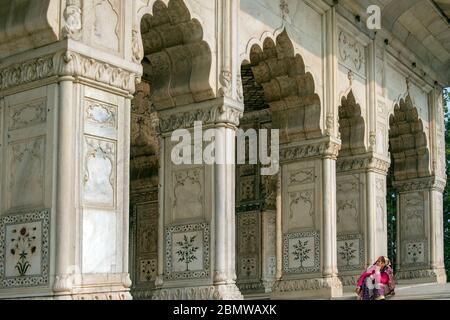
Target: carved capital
x,y
207,114
67,63
323,148
427,183
368,161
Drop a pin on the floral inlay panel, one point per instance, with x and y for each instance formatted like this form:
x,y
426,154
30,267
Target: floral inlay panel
x,y
350,252
301,252
187,251
24,249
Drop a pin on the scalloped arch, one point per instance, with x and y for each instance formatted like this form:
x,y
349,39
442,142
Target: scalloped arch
x,y
351,126
177,62
408,141
288,89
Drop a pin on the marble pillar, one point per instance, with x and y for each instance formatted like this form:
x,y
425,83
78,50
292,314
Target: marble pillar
x,y
308,221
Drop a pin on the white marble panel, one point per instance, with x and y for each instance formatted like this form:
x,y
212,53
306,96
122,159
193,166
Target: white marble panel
x,y
99,240
26,178
99,182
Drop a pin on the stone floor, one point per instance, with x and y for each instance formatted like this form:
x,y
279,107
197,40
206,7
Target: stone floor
x,y
412,292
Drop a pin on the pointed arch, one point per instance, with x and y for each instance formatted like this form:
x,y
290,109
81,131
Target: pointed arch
x,y
288,89
408,142
351,126
177,61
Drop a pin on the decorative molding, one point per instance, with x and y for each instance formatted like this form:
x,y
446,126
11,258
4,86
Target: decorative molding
x,y
307,284
214,115
350,49
434,275
433,183
27,71
349,281
222,292
27,115
225,80
25,244
101,114
137,47
68,63
73,23
365,162
327,149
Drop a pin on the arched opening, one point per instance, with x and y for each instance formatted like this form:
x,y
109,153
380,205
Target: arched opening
x,y
351,176
255,200
287,88
176,64
406,194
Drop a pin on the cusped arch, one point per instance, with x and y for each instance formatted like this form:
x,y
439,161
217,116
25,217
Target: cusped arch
x,y
177,61
408,142
288,89
351,126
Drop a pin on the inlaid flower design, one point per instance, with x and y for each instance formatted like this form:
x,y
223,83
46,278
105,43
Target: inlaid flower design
x,y
23,246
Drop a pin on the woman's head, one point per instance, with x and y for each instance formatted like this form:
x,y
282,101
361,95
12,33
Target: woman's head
x,y
381,262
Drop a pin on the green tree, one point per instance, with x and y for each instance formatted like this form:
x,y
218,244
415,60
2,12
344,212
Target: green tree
x,y
447,188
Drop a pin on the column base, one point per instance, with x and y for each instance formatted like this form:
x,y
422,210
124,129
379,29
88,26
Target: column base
x,y
213,292
317,288
422,276
257,290
349,280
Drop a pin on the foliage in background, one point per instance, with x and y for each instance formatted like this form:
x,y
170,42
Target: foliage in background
x,y
392,207
447,188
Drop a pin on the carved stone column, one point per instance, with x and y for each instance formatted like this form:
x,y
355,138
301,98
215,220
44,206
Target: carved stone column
x,y
144,206
308,187
420,254
255,220
197,223
361,213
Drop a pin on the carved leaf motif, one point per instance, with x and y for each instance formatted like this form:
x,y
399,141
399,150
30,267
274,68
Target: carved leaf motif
x,y
351,50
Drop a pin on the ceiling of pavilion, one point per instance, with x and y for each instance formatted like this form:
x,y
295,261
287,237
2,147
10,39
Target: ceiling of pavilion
x,y
422,25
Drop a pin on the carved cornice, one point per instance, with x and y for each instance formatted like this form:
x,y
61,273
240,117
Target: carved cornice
x,y
66,64
363,162
326,149
427,183
25,72
208,116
